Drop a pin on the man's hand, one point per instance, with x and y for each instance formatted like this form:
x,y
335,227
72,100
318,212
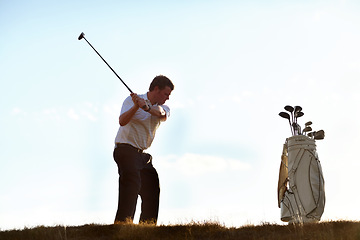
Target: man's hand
x,y
138,101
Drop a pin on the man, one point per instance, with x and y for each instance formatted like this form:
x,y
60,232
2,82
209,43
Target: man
x,y
140,116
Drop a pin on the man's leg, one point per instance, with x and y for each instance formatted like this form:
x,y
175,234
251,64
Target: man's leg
x,y
149,193
129,183
128,193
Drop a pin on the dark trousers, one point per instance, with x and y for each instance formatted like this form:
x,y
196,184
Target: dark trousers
x,y
137,176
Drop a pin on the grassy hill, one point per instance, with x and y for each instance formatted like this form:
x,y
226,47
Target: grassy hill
x,y
339,230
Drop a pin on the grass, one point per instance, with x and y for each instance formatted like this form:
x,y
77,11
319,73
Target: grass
x,y
332,230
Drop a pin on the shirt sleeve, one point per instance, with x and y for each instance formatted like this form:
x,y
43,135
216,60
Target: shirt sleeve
x,y
127,104
166,109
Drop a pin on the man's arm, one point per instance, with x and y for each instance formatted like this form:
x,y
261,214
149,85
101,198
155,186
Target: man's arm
x,y
127,116
159,112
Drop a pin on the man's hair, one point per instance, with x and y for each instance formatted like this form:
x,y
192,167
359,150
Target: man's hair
x,y
161,82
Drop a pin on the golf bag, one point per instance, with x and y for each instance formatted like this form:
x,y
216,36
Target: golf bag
x,y
301,194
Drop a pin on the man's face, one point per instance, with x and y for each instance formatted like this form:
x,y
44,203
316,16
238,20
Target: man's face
x,y
162,95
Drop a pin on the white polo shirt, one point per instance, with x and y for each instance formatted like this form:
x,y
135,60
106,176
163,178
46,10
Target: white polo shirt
x,y
141,129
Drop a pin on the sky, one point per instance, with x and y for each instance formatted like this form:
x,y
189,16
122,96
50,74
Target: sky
x,y
234,64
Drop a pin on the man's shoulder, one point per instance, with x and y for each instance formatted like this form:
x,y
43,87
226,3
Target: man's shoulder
x,y
144,96
127,104
128,99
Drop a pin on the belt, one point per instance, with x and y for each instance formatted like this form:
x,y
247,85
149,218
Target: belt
x,y
129,145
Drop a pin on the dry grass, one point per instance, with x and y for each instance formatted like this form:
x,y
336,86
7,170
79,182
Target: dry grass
x,y
334,230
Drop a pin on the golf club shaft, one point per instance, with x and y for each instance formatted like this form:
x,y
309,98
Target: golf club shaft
x,y
291,128
107,64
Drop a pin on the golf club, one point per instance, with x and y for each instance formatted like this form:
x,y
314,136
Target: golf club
x,y
311,134
82,37
308,123
297,128
287,116
306,129
297,109
291,110
297,115
319,135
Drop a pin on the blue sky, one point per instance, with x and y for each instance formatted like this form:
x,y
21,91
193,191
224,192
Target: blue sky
x,y
235,65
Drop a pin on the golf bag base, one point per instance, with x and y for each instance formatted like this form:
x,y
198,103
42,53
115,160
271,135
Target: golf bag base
x,y
301,194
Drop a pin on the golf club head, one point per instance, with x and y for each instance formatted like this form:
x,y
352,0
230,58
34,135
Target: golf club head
x,y
319,135
299,114
289,108
307,129
81,36
308,123
284,115
297,109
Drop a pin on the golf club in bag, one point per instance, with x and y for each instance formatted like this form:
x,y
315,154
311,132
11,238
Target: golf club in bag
x,y
301,193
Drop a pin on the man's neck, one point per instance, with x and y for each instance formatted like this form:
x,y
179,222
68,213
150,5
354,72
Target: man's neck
x,y
150,97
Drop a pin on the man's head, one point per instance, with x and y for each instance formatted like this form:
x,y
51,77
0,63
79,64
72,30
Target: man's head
x,y
160,89
161,82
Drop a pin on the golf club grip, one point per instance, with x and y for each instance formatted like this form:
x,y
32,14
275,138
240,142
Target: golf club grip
x,y
108,65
